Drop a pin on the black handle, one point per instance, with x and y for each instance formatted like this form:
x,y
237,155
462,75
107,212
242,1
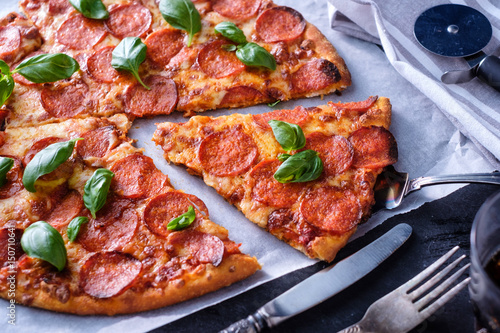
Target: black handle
x,y
488,70
242,326
252,324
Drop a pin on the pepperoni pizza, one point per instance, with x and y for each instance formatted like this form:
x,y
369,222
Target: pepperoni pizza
x,y
195,78
124,256
238,155
124,259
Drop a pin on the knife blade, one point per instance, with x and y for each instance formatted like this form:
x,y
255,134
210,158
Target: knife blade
x,y
323,284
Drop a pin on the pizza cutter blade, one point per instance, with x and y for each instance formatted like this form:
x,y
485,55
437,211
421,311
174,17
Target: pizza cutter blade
x,y
452,30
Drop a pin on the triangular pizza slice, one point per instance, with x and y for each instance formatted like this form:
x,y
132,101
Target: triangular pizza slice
x,y
240,156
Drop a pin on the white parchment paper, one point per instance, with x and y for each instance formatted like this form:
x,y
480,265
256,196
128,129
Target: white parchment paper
x,y
428,145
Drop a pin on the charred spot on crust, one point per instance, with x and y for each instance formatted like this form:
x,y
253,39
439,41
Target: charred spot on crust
x,y
315,75
330,70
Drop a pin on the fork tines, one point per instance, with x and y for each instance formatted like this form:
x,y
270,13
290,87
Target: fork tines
x,y
405,307
422,302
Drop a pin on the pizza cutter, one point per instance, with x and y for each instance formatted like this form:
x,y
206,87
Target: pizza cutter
x,y
452,30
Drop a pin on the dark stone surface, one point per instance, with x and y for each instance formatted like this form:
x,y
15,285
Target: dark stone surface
x,y
437,227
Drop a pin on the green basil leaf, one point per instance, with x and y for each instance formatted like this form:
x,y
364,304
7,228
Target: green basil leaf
x,y
231,32
6,163
252,54
283,157
47,67
96,190
74,227
289,136
301,167
181,14
273,104
93,9
46,161
40,240
4,68
6,87
182,221
229,47
129,55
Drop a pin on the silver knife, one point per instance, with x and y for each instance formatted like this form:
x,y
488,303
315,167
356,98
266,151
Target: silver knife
x,y
323,284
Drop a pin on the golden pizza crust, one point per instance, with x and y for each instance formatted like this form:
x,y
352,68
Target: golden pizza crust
x,y
55,297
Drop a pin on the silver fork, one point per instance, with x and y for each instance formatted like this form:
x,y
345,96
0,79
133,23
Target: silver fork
x,y
404,308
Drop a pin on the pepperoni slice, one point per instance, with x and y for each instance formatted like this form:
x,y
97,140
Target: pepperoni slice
x,y
10,245
298,116
236,9
3,115
80,33
109,274
58,6
374,147
112,229
132,20
186,57
65,100
66,210
268,190
279,24
218,63
242,95
10,42
161,99
14,180
163,45
205,248
335,151
37,146
227,153
332,209
356,106
99,66
167,206
315,75
136,176
98,142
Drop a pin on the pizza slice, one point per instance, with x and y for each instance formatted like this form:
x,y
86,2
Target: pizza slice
x,y
240,156
103,232
185,73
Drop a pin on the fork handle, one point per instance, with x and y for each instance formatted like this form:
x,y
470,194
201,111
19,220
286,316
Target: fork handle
x,y
352,329
483,178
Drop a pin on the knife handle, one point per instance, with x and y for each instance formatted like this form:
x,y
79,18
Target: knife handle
x,y
488,70
252,324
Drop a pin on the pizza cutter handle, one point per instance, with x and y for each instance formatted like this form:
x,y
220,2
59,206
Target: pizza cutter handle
x,y
488,70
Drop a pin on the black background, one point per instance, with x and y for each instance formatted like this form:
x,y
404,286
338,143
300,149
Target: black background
x,y
437,227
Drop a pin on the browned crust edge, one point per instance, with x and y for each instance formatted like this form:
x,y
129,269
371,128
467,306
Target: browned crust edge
x,y
325,49
232,269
